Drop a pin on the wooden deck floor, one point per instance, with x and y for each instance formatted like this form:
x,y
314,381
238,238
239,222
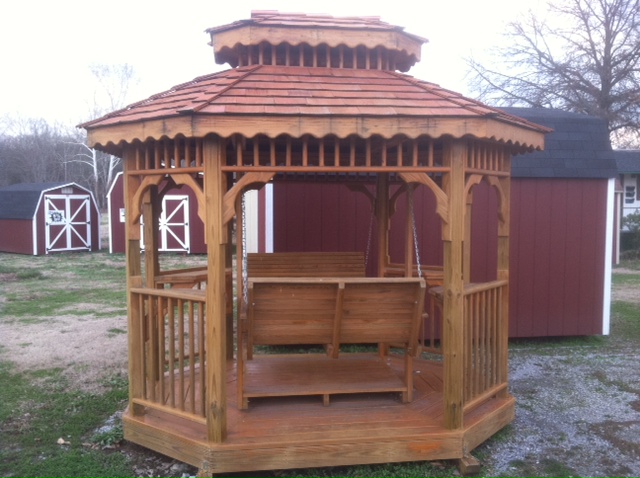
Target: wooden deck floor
x,y
292,432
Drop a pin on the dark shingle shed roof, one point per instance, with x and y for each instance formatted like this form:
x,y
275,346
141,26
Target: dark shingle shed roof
x,y
578,147
19,201
628,161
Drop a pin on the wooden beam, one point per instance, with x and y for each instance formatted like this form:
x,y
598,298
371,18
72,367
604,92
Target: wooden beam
x,y
382,215
151,211
134,279
453,306
409,238
503,274
216,358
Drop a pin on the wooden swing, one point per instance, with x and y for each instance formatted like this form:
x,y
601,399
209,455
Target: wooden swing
x,y
323,299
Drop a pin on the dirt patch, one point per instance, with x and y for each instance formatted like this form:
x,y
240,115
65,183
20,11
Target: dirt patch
x,y
626,292
85,347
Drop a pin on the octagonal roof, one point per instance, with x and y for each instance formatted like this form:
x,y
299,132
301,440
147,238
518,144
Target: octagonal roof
x,y
272,99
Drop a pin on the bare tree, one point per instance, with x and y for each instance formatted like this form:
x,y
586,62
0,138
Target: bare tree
x,y
580,55
33,150
112,91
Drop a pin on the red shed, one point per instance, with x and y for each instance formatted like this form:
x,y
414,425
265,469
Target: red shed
x,y
562,209
41,218
180,228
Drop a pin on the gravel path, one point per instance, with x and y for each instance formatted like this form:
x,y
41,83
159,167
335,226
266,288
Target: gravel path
x,y
577,414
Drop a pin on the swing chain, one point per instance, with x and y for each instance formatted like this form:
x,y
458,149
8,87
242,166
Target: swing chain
x,y
366,257
415,233
245,275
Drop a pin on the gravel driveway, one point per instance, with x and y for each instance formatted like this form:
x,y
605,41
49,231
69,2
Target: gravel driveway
x,y
577,414
577,404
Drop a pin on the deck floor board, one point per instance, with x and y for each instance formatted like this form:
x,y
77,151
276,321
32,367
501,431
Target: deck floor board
x,y
363,425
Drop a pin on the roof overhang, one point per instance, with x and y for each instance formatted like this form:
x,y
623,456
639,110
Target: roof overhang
x,y
112,138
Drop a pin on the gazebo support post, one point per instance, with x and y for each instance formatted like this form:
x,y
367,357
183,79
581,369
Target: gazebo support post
x,y
134,279
503,274
151,214
382,216
453,305
409,247
216,337
466,262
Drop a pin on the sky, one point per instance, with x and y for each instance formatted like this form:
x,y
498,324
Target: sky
x,y
47,46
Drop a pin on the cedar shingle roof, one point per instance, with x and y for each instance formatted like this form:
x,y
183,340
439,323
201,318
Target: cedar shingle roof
x,y
304,91
271,18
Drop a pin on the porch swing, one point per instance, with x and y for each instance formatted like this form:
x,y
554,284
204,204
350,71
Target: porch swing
x,y
337,306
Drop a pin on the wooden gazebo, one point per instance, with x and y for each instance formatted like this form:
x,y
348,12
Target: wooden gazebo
x,y
313,96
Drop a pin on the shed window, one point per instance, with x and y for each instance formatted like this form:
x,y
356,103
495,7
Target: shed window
x,y
629,194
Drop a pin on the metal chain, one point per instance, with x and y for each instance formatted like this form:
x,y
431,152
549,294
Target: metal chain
x,y
415,232
366,257
245,275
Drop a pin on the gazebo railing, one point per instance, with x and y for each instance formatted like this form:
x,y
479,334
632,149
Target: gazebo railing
x,y
169,356
485,346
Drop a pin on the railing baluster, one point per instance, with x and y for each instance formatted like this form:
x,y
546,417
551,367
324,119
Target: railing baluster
x,y
483,342
192,358
201,336
172,348
172,351
181,352
161,349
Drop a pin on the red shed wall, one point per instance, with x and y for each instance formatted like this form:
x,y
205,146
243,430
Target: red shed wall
x,y
557,263
16,236
558,229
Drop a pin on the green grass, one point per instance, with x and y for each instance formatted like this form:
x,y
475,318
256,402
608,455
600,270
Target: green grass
x,y
46,286
626,279
37,409
625,321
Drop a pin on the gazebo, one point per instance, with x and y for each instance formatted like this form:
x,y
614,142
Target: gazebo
x,y
324,97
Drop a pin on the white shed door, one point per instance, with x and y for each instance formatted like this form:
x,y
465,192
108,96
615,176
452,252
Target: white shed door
x,y
67,222
174,224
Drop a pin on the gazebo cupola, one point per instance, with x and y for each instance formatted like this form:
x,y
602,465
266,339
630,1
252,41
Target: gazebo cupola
x,y
322,97
271,38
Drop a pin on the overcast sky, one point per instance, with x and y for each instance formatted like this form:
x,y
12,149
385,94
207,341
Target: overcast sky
x,y
46,46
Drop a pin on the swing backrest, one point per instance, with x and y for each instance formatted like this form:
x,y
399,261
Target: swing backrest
x,y
306,264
